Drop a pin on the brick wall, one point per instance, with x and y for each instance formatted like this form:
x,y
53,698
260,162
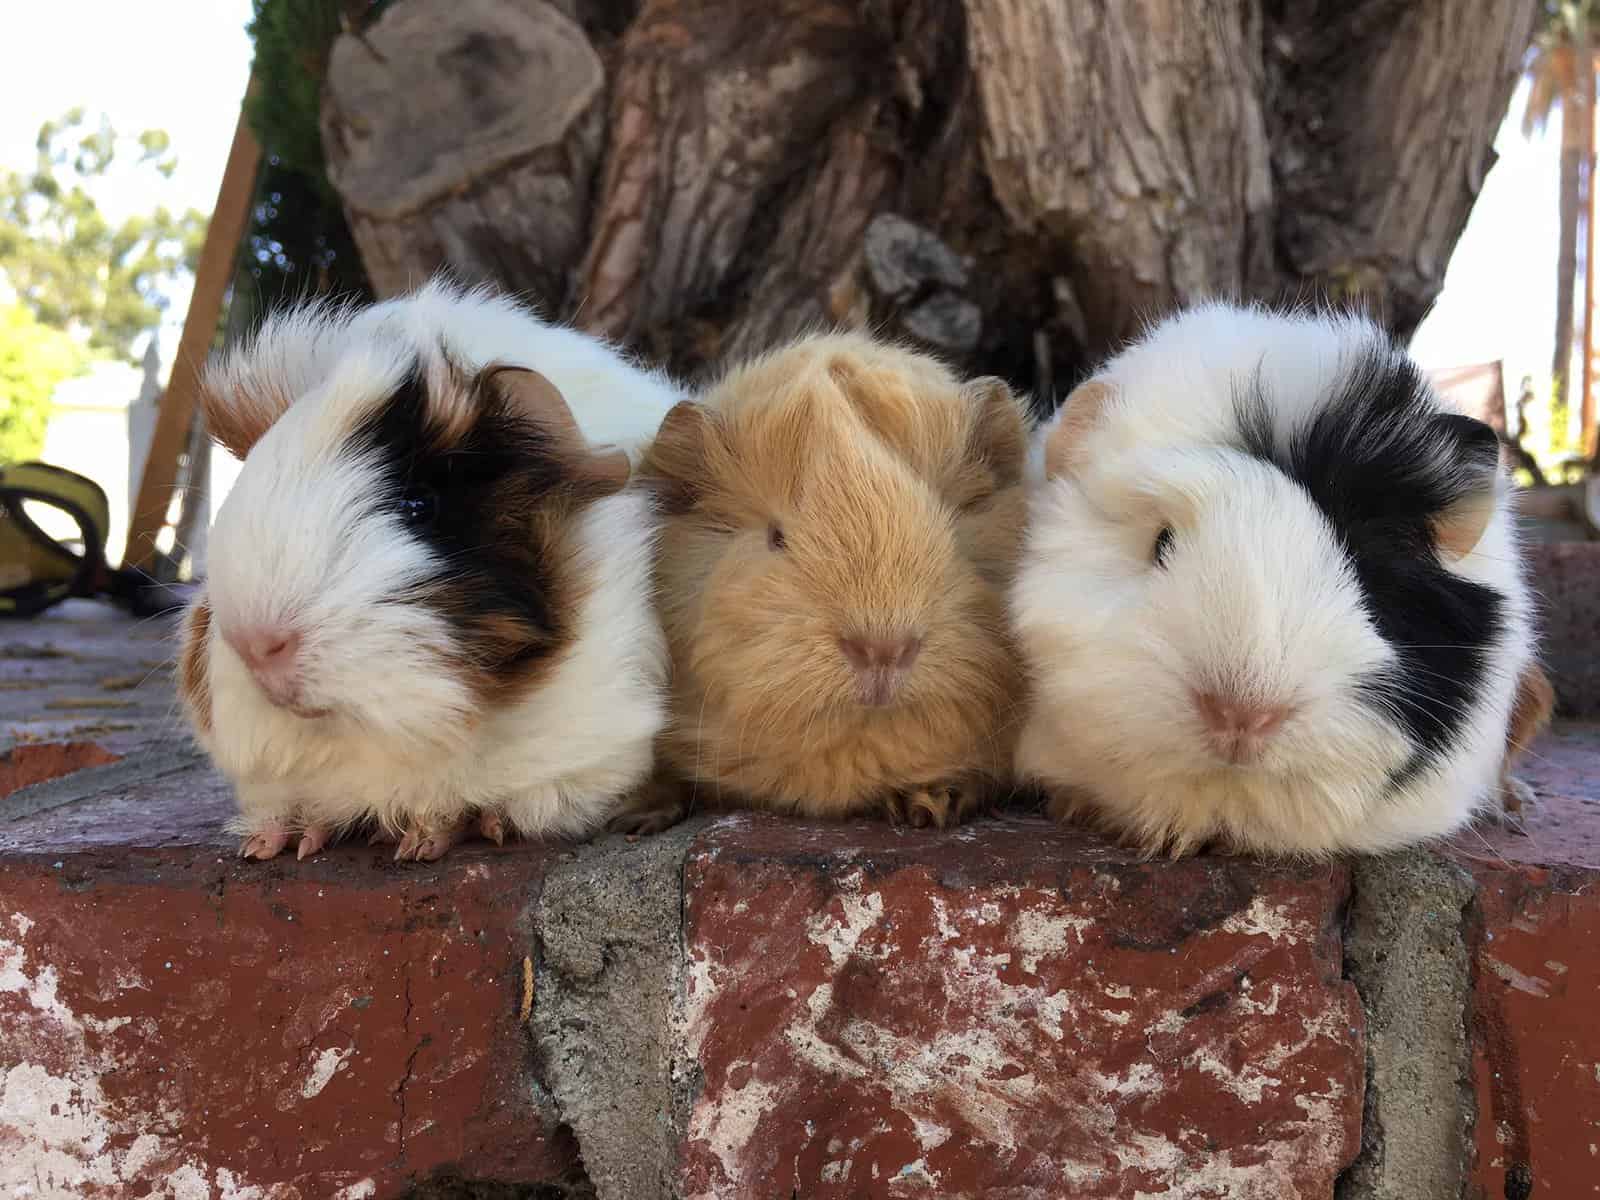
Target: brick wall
x,y
748,1006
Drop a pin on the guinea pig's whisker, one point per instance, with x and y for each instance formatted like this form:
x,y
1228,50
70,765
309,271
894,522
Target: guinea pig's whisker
x,y
755,711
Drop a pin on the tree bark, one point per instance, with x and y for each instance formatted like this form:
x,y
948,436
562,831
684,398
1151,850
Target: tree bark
x,y
1015,185
440,159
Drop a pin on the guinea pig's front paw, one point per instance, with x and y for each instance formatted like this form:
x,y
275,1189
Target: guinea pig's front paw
x,y
657,806
270,839
1517,803
492,826
430,841
938,806
267,841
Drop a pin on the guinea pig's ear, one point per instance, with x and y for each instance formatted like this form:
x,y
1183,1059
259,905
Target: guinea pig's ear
x,y
1000,433
1476,448
240,406
1079,412
675,461
595,472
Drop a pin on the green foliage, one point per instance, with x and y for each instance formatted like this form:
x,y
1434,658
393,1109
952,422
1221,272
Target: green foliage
x,y
34,359
299,241
71,266
292,40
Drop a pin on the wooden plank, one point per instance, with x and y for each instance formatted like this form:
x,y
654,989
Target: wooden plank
x,y
175,414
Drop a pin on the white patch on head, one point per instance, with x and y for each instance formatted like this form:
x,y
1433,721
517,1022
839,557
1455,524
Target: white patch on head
x,y
1256,599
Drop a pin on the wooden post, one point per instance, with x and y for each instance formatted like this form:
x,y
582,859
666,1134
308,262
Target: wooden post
x,y
175,415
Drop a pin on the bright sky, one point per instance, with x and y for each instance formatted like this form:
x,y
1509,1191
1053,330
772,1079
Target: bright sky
x,y
178,65
181,65
1499,292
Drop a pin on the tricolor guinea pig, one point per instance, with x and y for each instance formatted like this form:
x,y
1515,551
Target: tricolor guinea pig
x,y
1271,595
428,594
841,522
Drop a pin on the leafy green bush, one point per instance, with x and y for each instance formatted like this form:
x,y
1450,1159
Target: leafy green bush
x,y
72,267
34,359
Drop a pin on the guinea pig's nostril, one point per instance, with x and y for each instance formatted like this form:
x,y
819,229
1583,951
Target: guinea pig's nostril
x,y
909,649
1238,726
870,654
1263,721
266,647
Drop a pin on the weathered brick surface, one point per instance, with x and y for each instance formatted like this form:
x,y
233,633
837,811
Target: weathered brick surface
x,y
1012,1011
35,762
179,1023
1534,935
749,1006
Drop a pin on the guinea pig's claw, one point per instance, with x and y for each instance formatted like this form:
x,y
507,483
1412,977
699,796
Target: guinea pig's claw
x,y
312,839
422,844
935,807
492,826
266,842
1517,803
660,804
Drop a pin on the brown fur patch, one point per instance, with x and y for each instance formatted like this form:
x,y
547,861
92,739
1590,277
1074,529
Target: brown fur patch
x,y
194,675
501,653
896,494
1535,705
1530,713
239,408
502,463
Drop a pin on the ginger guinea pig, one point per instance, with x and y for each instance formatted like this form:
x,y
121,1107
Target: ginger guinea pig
x,y
428,602
841,521
1271,594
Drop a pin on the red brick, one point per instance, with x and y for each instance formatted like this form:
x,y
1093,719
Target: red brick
x,y
1536,1043
32,763
1535,940
1015,1011
176,1018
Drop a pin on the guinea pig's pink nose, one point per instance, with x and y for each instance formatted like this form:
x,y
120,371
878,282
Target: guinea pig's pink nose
x,y
272,654
1239,728
880,664
878,654
265,647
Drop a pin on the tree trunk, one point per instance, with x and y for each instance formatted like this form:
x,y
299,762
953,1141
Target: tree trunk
x,y
1016,185
1575,128
1571,199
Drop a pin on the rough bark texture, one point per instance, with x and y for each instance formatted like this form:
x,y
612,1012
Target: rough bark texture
x,y
1015,185
439,156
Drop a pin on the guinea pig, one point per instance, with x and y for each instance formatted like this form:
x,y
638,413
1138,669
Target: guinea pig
x,y
841,520
428,594
1270,597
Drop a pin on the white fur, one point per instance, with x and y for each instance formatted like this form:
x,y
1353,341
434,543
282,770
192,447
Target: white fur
x,y
300,538
1261,599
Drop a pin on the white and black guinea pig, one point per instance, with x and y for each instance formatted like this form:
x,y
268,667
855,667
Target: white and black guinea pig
x,y
1271,595
428,597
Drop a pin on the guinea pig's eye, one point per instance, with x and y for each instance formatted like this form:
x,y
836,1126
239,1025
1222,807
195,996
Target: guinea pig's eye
x,y
775,539
1163,546
418,506
975,503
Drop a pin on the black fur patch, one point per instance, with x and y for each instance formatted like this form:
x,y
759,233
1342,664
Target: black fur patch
x,y
1382,462
478,491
